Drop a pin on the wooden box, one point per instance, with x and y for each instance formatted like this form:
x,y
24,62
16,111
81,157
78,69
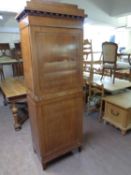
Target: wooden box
x,y
52,40
118,110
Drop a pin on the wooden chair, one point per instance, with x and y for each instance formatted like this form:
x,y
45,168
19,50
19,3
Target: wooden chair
x,y
91,60
87,54
95,102
88,58
109,60
4,51
18,54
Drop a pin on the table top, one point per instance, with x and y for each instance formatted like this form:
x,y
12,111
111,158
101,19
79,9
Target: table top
x,y
108,84
9,60
121,99
13,87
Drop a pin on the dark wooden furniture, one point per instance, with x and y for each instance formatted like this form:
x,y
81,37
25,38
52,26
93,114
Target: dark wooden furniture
x,y
51,40
14,92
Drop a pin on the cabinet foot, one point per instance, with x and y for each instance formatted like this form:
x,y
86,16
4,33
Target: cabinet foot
x,y
44,165
34,150
17,127
80,148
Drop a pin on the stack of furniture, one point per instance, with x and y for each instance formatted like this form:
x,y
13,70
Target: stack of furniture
x,y
51,40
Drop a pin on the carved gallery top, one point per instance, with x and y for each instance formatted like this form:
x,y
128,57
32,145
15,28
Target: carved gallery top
x,y
59,10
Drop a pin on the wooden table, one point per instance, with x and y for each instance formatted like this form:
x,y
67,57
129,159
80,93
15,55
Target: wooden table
x,y
128,55
14,90
107,83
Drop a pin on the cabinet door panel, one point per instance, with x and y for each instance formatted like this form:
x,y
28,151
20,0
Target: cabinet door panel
x,y
58,59
62,124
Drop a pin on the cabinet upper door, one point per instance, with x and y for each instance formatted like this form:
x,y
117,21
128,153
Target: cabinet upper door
x,y
56,60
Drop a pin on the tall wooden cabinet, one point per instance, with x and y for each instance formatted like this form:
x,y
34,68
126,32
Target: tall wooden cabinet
x,y
51,38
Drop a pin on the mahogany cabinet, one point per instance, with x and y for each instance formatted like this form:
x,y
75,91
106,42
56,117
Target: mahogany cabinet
x,y
51,40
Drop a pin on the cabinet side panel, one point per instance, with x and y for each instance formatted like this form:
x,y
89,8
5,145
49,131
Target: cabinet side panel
x,y
34,120
27,60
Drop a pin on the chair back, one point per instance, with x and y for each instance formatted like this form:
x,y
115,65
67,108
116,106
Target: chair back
x,y
5,49
18,54
109,51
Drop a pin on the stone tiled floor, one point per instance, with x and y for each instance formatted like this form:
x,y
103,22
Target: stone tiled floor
x,y
105,151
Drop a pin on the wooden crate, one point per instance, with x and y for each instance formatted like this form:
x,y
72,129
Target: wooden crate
x,y
118,110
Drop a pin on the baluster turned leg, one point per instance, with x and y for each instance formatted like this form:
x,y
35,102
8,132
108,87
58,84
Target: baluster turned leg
x,y
17,125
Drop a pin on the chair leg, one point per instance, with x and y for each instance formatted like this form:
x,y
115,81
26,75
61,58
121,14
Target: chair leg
x,y
101,111
110,72
102,74
114,77
2,73
130,75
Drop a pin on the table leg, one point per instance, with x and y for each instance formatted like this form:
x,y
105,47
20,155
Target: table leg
x,y
17,124
4,98
123,132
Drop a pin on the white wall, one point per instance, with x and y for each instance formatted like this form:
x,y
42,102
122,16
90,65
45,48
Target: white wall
x,y
10,38
129,42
